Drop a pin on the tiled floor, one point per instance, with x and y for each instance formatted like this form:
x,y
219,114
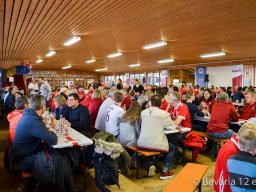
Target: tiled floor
x,y
128,184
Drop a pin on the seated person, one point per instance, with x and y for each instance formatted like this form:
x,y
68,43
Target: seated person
x,y
60,106
148,96
30,133
231,147
249,109
81,94
127,101
152,136
162,92
193,110
114,114
241,167
14,117
238,95
77,115
223,112
207,101
130,125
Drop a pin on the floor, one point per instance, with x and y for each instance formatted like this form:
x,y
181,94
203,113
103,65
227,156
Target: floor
x,y
128,184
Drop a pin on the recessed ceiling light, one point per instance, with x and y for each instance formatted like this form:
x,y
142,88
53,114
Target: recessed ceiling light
x,y
154,45
72,40
39,60
165,61
50,53
217,54
90,61
67,67
115,54
103,69
134,65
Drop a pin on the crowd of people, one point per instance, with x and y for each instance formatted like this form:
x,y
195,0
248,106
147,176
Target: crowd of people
x,y
136,116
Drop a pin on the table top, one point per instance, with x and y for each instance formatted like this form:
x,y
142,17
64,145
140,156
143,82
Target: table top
x,y
207,118
178,130
73,139
188,178
238,104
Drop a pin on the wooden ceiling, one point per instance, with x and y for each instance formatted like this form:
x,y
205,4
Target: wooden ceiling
x,y
30,28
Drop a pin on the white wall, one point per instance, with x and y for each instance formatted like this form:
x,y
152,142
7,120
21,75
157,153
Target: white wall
x,y
220,76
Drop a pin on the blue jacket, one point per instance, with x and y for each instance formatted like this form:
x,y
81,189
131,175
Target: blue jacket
x,y
237,96
30,132
61,111
9,103
193,110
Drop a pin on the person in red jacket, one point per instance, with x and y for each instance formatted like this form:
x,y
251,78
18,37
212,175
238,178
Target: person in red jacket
x,y
249,109
15,116
221,179
81,94
207,101
127,101
93,107
222,112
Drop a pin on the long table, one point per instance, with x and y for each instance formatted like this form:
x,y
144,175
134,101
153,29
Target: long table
x,y
207,118
74,138
177,130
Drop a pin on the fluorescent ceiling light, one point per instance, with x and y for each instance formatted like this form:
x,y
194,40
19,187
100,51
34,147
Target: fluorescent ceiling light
x,y
154,45
103,69
90,61
212,54
39,60
115,54
50,53
165,61
134,65
73,40
67,67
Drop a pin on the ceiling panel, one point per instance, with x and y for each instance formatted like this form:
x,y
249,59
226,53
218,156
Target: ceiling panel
x,y
30,28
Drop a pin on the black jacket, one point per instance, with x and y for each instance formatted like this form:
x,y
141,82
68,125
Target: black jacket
x,y
9,104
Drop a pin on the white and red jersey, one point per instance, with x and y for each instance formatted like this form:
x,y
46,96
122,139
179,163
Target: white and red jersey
x,y
181,111
113,118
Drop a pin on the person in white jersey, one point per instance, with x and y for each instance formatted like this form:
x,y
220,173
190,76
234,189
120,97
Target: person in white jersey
x,y
114,114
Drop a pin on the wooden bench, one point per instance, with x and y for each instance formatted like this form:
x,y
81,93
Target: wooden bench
x,y
188,179
138,151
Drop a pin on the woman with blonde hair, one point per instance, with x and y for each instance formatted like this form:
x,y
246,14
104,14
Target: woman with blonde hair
x,y
60,106
130,125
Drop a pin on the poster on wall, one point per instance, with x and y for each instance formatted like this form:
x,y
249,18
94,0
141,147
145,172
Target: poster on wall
x,y
200,73
237,75
163,78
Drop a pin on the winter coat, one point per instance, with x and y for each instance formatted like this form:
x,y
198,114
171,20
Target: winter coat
x,y
13,118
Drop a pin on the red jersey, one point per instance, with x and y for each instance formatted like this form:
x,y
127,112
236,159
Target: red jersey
x,y
222,113
249,111
196,92
164,105
81,95
221,179
127,101
210,103
183,112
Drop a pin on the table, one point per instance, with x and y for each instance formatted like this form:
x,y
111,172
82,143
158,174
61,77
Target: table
x,y
238,104
178,130
207,118
74,139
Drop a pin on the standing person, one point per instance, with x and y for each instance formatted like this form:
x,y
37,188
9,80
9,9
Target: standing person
x,y
119,85
14,117
249,109
130,126
241,167
222,113
152,136
77,115
45,90
114,114
9,102
138,88
61,107
100,122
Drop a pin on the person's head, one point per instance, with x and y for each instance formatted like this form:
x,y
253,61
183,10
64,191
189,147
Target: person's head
x,y
247,138
174,99
222,96
250,97
118,97
149,95
41,79
80,89
239,89
120,81
137,81
97,94
37,103
13,90
132,115
111,93
159,91
190,96
59,101
208,94
73,100
156,101
21,103
124,92
132,93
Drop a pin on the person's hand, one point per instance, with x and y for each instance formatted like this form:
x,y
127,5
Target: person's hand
x,y
51,129
68,123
